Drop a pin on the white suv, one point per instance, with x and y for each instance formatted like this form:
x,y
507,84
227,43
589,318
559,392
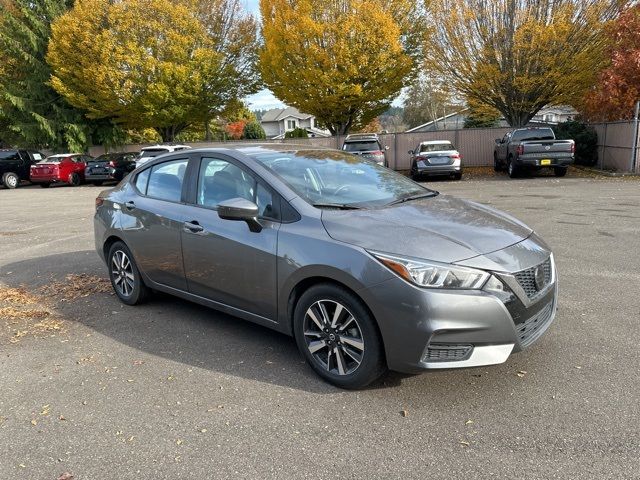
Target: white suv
x,y
148,153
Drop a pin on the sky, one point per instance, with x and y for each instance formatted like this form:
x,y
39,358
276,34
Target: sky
x,y
265,99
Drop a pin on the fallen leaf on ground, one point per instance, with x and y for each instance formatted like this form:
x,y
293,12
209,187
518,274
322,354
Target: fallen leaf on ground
x,y
404,413
521,373
464,443
66,476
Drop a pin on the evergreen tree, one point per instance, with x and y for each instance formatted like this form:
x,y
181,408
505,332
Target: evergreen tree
x,y
35,115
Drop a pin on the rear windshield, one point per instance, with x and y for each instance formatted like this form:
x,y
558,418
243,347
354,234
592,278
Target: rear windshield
x,y
533,134
105,158
367,146
11,154
153,152
436,147
53,160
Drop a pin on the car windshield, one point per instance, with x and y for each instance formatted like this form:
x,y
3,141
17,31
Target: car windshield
x,y
327,178
107,157
8,154
436,147
367,146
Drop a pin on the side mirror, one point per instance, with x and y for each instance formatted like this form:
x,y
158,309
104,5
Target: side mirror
x,y
410,152
239,209
386,147
498,141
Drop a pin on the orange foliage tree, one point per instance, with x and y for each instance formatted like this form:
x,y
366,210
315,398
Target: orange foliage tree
x,y
235,130
618,87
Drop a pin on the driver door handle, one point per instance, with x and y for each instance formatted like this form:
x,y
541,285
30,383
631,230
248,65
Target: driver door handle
x,y
193,227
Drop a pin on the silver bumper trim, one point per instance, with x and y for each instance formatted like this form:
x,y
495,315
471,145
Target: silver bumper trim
x,y
483,355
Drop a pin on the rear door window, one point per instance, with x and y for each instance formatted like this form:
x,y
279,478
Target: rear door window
x,y
166,179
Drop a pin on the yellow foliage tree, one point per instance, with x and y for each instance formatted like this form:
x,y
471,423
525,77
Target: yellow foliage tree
x,y
343,61
519,55
179,66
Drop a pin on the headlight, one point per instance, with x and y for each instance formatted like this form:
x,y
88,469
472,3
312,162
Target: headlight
x,y
433,275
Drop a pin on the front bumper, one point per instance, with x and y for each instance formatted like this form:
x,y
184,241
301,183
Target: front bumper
x,y
439,329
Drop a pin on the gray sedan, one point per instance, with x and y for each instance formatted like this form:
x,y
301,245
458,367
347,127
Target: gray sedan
x,y
366,269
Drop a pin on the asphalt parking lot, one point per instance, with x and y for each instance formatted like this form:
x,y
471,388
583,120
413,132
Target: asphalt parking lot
x,y
174,390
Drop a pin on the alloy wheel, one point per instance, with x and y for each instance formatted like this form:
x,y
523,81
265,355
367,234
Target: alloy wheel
x,y
122,273
334,337
12,181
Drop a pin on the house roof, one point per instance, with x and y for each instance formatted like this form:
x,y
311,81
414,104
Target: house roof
x,y
312,131
437,120
277,114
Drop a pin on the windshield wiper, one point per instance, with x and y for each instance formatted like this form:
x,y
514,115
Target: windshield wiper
x,y
414,197
339,206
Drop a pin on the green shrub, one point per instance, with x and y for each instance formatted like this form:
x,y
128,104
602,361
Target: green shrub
x,y
297,133
585,137
254,131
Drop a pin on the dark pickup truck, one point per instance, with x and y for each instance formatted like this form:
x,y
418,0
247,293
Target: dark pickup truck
x,y
533,148
15,165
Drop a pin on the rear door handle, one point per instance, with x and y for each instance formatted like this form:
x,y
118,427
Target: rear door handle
x,y
193,227
130,206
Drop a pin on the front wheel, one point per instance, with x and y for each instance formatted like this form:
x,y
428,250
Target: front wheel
x,y
338,337
10,180
560,171
496,164
125,276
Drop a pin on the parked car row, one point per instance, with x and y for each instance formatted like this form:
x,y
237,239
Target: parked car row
x,y
73,168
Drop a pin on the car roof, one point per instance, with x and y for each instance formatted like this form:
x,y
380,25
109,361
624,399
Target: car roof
x,y
65,155
164,147
435,142
259,148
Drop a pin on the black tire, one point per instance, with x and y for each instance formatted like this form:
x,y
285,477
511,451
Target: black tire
x,y
512,169
415,176
129,291
10,180
457,175
496,164
348,365
560,171
74,179
98,183
45,185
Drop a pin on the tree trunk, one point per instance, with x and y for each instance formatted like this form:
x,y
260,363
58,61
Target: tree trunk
x,y
207,130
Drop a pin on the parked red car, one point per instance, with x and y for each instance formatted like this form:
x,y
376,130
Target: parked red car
x,y
63,168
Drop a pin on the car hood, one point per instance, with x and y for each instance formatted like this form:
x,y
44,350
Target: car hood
x,y
442,229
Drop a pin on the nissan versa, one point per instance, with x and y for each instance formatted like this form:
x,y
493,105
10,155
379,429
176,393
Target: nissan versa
x,y
366,269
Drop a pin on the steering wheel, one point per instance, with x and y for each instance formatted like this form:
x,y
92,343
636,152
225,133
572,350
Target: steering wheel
x,y
341,188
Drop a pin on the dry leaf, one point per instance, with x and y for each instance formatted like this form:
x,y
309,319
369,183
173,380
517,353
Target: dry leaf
x,y
66,476
464,443
178,442
404,413
468,422
521,373
34,423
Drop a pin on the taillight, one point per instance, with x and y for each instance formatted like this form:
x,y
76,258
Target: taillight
x,y
573,148
377,152
112,163
456,156
520,149
99,202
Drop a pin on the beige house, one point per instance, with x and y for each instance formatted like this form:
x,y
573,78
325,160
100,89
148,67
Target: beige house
x,y
276,122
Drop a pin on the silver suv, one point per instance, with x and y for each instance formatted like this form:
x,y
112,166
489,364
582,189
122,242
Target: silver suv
x,y
368,146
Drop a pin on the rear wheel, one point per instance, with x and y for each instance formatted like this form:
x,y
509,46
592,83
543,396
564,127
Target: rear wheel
x,y
74,179
338,337
125,276
457,175
10,180
45,185
560,171
512,170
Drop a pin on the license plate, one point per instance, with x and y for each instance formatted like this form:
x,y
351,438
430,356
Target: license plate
x,y
98,170
439,161
546,161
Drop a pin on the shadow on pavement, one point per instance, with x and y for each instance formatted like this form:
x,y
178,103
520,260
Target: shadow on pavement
x,y
176,329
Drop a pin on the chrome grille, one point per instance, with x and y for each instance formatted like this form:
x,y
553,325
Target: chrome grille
x,y
527,279
450,352
532,329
